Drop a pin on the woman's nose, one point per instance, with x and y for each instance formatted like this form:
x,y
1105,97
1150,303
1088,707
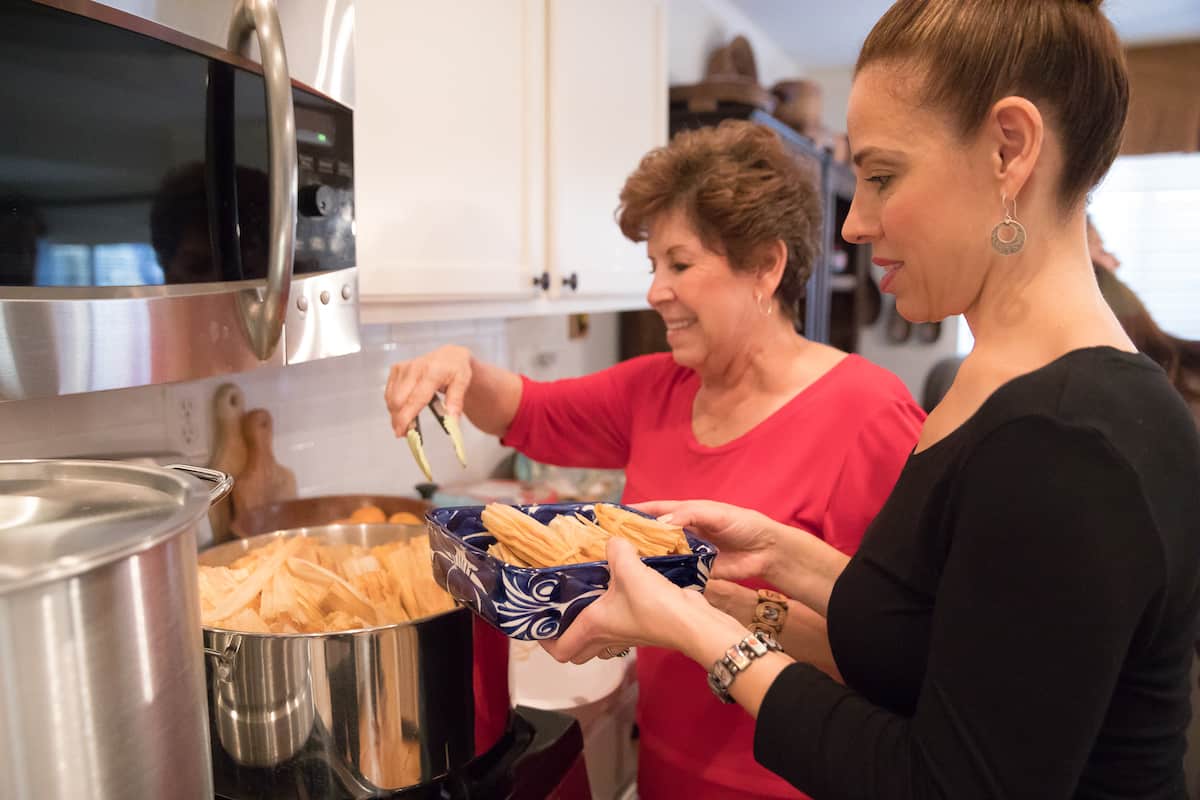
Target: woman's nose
x,y
858,227
659,291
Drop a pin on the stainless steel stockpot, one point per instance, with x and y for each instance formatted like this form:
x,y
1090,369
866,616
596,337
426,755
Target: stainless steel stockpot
x,y
101,679
374,710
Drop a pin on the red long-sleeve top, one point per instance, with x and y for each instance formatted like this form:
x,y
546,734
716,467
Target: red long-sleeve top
x,y
823,462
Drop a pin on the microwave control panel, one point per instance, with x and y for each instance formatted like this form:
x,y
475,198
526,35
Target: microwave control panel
x,y
325,197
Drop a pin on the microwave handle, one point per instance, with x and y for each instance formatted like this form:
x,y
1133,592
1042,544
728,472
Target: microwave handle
x,y
264,311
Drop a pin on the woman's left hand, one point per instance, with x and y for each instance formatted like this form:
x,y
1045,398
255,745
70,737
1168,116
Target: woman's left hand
x,y
640,608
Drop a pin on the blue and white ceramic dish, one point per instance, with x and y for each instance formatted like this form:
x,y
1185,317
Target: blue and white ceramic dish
x,y
527,603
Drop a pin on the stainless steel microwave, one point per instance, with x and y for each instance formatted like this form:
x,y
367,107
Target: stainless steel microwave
x,y
170,208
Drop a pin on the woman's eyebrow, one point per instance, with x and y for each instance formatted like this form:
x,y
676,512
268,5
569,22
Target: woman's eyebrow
x,y
875,152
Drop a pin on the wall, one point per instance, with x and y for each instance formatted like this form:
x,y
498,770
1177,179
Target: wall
x,y
698,27
835,94
331,426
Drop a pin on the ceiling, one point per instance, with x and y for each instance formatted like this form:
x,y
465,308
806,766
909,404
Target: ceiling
x,y
819,34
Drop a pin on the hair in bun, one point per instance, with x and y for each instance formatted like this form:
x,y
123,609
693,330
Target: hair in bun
x,y
1063,56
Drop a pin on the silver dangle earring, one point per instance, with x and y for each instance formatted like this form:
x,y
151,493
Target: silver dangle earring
x,y
758,302
1008,237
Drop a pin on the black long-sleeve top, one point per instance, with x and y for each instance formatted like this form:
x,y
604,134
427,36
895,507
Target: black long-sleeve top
x,y
1018,621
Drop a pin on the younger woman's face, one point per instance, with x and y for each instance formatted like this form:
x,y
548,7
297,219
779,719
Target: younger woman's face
x,y
925,200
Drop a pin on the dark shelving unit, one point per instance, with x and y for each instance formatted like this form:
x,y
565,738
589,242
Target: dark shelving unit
x,y
854,297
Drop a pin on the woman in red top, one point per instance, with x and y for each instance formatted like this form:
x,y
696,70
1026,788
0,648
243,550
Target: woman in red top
x,y
743,410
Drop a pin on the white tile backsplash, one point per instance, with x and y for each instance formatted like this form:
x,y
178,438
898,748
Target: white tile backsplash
x,y
331,426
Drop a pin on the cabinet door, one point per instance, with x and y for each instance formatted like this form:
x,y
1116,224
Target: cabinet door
x,y
607,100
449,148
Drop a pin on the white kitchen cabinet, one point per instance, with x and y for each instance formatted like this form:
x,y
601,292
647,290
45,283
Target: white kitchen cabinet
x,y
606,107
449,149
492,138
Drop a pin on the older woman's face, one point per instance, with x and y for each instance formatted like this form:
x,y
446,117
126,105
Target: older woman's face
x,y
924,199
708,307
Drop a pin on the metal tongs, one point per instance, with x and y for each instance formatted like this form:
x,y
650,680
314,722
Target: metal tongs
x,y
416,441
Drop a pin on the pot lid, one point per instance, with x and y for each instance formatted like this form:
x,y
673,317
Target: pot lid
x,y
59,518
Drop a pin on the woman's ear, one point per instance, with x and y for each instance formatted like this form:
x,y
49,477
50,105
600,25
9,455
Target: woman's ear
x,y
772,262
1015,132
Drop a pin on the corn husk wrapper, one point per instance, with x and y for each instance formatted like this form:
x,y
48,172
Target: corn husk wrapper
x,y
299,585
523,541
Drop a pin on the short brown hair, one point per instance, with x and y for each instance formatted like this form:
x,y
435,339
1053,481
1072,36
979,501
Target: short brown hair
x,y
1062,55
742,189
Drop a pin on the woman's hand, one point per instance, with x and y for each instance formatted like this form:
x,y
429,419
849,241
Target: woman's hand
x,y
488,395
745,538
753,545
412,384
641,607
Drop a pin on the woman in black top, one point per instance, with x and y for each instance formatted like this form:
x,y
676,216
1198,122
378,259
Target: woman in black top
x,y
1018,620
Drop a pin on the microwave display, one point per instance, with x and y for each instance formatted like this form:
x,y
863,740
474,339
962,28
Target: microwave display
x,y
315,128
126,160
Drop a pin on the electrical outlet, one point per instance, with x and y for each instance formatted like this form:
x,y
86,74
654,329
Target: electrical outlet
x,y
186,415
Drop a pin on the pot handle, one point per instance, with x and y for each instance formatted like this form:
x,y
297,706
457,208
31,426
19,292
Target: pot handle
x,y
224,482
227,658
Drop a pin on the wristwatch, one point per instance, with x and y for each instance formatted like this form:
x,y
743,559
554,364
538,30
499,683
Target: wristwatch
x,y
737,659
770,613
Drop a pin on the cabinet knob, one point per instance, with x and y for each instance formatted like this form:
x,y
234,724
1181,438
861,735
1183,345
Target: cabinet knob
x,y
571,281
542,281
315,200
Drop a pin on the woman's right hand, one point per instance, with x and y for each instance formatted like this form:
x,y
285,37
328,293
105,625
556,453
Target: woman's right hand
x,y
745,538
753,545
412,384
